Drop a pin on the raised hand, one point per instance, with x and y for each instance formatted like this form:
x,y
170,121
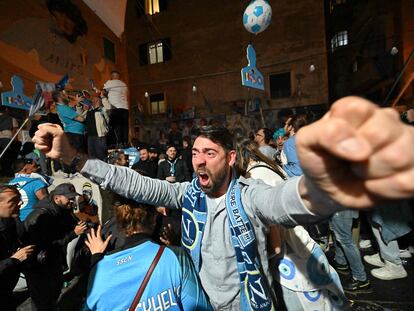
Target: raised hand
x,y
94,241
80,228
52,141
357,155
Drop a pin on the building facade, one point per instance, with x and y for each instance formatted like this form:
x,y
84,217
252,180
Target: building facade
x,y
184,58
370,45
44,40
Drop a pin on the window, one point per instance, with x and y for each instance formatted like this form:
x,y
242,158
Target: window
x,y
157,103
280,85
109,50
150,7
340,39
155,52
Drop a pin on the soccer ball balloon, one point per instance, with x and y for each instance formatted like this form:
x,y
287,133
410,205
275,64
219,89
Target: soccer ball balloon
x,y
257,16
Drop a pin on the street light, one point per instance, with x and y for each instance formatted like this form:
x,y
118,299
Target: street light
x,y
312,68
194,88
146,95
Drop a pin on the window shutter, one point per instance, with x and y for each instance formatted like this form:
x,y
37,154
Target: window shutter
x,y
166,49
143,54
140,8
163,5
156,97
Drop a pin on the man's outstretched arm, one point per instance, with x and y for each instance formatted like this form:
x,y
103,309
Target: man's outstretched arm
x,y
51,140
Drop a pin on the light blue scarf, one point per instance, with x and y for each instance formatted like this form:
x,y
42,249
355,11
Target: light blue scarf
x,y
254,291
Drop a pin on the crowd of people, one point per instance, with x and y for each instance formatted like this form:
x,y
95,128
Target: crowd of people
x,y
209,220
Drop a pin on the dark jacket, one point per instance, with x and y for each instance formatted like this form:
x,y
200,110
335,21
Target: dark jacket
x,y
180,170
50,227
9,267
148,168
187,154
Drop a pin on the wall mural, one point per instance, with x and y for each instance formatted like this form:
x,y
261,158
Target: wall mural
x,y
55,45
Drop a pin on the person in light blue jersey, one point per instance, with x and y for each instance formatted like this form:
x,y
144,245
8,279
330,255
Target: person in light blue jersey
x,y
115,279
32,186
292,126
72,121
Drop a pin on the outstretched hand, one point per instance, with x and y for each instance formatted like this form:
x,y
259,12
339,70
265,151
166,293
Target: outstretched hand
x,y
357,155
94,241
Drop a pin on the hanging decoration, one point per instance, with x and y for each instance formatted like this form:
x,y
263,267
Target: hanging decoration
x,y
16,98
250,75
257,16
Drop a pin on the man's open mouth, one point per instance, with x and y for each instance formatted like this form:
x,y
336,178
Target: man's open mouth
x,y
203,178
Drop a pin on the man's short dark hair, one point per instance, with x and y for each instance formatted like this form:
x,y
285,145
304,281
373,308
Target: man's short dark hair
x,y
267,134
13,188
218,135
19,164
153,149
115,71
298,122
168,146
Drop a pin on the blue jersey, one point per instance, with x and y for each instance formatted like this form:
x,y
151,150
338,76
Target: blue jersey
x,y
67,116
27,188
174,284
292,168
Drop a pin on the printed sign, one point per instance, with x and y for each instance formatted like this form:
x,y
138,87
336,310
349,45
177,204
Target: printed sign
x,y
251,76
16,98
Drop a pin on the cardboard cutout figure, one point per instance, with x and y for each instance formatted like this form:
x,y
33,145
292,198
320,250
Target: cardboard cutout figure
x,y
251,76
16,97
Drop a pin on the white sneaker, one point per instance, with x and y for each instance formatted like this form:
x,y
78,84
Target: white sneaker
x,y
391,271
363,244
374,260
405,253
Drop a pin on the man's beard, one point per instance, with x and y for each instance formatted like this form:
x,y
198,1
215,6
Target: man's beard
x,y
217,182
